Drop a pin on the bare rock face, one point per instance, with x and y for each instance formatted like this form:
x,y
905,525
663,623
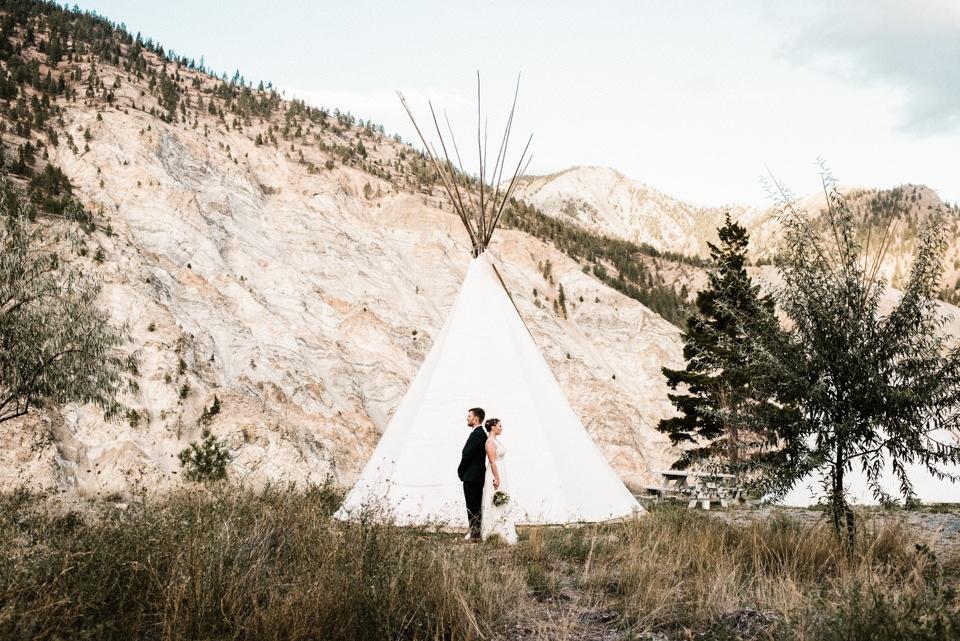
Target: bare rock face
x,y
604,201
305,301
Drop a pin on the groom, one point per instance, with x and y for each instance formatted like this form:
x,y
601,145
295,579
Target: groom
x,y
473,468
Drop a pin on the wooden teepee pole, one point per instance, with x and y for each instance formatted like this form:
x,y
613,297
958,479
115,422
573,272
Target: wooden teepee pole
x,y
513,181
501,155
450,173
451,192
480,218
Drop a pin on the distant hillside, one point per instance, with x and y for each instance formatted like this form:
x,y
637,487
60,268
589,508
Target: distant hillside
x,y
603,201
660,280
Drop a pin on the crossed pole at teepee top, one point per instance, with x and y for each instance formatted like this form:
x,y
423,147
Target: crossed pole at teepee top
x,y
480,210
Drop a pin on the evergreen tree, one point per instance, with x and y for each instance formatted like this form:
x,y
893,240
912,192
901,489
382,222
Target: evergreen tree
x,y
717,378
207,459
169,94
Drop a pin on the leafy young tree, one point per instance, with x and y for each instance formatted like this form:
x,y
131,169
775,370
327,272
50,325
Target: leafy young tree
x,y
56,345
855,389
717,377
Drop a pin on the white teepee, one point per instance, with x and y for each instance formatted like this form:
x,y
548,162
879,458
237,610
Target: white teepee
x,y
486,357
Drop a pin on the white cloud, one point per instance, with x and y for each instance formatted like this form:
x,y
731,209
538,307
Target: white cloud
x,y
912,47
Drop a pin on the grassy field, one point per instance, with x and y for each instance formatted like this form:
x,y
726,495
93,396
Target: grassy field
x,y
228,563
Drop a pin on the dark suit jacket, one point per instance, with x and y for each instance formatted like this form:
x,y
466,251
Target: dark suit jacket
x,y
472,467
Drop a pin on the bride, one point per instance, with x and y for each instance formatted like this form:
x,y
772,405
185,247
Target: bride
x,y
496,520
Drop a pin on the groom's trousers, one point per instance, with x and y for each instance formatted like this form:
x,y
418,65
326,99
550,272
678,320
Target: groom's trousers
x,y
473,493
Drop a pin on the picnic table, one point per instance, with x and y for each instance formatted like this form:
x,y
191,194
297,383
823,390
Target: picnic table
x,y
699,488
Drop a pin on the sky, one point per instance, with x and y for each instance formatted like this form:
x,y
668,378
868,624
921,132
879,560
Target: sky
x,y
696,99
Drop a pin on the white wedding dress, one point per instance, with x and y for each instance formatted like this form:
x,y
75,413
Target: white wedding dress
x,y
497,520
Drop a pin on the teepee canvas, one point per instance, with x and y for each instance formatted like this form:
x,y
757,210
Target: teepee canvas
x,y
485,357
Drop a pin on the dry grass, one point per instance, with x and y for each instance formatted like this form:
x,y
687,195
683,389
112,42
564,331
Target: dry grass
x,y
683,572
238,564
229,564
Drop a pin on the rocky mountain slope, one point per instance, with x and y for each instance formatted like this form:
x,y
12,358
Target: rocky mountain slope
x,y
605,201
292,262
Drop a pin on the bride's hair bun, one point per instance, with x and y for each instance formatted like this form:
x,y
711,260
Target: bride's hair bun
x,y
490,423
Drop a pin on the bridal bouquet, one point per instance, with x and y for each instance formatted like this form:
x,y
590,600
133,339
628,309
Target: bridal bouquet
x,y
500,498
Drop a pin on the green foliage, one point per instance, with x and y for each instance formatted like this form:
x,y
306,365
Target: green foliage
x,y
206,459
717,379
854,388
169,94
52,180
56,345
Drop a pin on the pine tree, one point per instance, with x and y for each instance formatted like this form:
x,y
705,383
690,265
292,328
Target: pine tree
x,y
207,459
716,376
